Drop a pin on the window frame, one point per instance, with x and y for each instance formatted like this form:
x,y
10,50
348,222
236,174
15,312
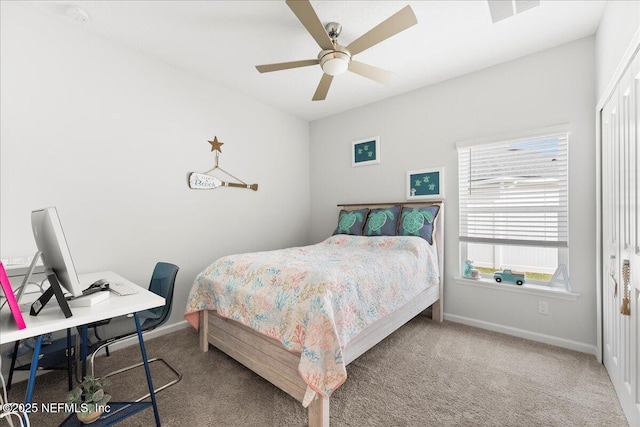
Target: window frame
x,y
563,251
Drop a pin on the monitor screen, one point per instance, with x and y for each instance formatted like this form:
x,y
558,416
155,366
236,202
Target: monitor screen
x,y
56,257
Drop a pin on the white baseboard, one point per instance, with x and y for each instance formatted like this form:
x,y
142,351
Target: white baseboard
x,y
521,333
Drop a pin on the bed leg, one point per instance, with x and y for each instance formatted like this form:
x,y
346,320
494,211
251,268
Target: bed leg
x,y
319,412
204,330
437,311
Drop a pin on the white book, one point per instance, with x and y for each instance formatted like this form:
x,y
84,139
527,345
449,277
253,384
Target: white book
x,y
89,300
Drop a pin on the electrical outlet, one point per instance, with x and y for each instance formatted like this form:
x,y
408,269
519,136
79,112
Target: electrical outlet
x,y
543,307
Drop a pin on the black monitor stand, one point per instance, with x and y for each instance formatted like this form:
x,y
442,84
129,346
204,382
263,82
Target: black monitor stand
x,y
54,289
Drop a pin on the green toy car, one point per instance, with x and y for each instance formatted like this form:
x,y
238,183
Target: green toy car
x,y
509,276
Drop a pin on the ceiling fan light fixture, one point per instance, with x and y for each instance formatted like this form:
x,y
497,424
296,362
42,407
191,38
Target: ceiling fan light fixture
x,y
334,62
335,66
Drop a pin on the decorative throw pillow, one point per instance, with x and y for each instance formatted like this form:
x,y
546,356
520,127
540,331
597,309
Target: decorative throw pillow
x,y
418,222
351,222
382,222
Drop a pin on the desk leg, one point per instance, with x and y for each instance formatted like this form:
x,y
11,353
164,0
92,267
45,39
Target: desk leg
x,y
14,357
69,361
83,349
146,369
34,369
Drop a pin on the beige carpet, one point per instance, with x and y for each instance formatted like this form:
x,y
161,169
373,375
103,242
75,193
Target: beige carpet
x,y
425,374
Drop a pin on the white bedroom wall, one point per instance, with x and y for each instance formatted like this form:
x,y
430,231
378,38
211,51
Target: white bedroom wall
x,y
420,129
108,136
620,21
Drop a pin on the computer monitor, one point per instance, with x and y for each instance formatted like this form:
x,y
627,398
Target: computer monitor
x,y
56,257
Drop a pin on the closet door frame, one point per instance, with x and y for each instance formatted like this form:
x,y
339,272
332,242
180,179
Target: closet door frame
x,y
610,90
617,238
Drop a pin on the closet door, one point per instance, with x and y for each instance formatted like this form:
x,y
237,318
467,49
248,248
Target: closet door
x,y
620,240
610,231
632,250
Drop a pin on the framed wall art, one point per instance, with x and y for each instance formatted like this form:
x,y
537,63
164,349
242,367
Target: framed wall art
x,y
365,151
425,184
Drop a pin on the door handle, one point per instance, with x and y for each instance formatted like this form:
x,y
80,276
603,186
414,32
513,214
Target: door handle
x,y
612,257
615,285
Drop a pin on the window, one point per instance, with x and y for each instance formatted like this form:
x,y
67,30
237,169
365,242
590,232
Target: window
x,y
514,204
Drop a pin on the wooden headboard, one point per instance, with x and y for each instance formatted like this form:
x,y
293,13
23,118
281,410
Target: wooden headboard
x,y
438,225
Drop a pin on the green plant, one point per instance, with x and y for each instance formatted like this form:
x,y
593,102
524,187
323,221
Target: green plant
x,y
89,396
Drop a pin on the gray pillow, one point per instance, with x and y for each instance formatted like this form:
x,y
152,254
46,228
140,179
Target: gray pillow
x,y
382,222
418,222
351,222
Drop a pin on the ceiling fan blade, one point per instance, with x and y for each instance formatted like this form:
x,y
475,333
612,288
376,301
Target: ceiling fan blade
x,y
286,65
307,16
402,20
323,88
371,72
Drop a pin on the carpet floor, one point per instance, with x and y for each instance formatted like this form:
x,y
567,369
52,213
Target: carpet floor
x,y
424,374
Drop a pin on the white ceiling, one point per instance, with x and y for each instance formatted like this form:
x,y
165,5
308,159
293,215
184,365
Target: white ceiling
x,y
224,40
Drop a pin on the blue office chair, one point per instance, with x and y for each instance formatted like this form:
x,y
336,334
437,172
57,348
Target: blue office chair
x,y
121,328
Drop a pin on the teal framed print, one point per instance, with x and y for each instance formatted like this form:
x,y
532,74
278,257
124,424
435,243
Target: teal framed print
x,y
365,151
425,184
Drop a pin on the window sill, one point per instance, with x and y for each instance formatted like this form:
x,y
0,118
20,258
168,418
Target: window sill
x,y
527,288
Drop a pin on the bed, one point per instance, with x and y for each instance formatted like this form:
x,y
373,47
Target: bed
x,y
298,316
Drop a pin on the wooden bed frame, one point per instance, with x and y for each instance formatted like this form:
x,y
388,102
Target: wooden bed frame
x,y
268,358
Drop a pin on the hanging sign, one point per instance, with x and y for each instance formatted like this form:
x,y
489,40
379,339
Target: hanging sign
x,y
204,181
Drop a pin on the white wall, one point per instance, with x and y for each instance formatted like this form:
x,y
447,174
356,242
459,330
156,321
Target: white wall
x,y
420,129
108,136
619,23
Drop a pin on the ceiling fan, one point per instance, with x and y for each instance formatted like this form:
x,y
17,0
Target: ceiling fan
x,y
336,59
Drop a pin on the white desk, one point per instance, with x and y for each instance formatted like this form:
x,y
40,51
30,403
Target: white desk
x,y
51,319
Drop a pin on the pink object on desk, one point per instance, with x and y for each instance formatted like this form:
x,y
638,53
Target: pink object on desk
x,y
11,298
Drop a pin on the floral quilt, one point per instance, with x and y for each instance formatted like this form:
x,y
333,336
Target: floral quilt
x,y
315,299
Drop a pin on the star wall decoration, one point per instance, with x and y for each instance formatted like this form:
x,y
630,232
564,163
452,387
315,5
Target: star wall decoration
x,y
216,145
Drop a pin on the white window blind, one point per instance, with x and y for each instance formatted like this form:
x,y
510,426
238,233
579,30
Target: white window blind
x,y
515,192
